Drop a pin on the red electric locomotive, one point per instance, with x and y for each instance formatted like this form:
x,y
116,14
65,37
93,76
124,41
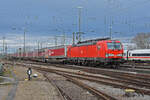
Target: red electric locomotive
x,y
99,51
96,52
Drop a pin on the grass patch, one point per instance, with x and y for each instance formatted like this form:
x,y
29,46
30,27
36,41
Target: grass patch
x,y
9,83
1,73
1,79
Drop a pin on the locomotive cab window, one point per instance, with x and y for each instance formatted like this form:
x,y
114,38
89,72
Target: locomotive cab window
x,y
124,54
114,45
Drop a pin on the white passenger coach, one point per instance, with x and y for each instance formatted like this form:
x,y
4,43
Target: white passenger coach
x,y
137,55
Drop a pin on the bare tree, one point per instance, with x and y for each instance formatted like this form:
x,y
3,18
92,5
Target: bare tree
x,y
142,40
130,47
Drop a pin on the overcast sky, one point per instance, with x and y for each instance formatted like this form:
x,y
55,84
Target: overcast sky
x,y
48,18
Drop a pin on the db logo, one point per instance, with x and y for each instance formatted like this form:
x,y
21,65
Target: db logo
x,y
51,52
81,52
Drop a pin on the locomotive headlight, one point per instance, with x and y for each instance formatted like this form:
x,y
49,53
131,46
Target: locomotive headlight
x,y
110,54
119,54
106,55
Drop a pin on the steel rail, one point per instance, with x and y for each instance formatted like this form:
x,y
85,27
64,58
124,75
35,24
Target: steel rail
x,y
137,83
94,91
138,90
99,93
132,76
133,79
85,68
133,82
97,70
62,94
108,83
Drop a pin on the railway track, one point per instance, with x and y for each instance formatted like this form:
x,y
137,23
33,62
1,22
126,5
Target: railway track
x,y
115,73
108,72
136,66
139,80
62,94
99,94
124,67
128,80
93,78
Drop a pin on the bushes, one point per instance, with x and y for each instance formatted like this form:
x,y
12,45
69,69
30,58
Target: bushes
x,y
1,69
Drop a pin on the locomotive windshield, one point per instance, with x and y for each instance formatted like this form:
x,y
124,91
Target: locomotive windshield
x,y
114,45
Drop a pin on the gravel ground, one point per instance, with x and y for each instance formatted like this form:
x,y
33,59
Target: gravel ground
x,y
4,90
73,91
30,89
7,84
75,71
36,89
21,74
115,92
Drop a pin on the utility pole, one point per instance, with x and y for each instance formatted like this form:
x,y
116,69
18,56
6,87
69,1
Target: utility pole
x,y
24,50
3,45
111,23
105,23
6,49
55,40
73,38
79,35
110,33
41,45
64,39
38,47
